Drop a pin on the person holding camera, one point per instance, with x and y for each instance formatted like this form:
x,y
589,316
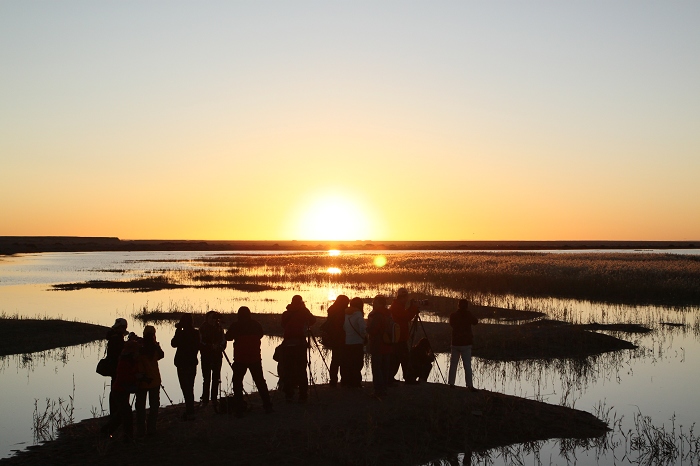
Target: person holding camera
x,y
246,334
188,343
403,311
296,321
213,345
149,354
354,351
462,339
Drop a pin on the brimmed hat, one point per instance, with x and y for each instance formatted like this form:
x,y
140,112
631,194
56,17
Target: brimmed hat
x,y
297,299
120,322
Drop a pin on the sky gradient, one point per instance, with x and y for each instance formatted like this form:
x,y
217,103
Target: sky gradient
x,y
351,120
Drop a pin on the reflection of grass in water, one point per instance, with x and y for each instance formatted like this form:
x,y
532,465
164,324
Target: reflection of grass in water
x,y
47,422
633,278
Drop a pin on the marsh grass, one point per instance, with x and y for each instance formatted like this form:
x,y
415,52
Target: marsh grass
x,y
51,418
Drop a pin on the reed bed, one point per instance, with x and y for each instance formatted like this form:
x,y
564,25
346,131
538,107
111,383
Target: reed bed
x,y
614,277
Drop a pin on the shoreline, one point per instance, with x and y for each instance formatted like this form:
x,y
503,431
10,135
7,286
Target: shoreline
x,y
34,244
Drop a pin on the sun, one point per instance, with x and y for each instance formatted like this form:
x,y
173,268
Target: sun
x,y
333,218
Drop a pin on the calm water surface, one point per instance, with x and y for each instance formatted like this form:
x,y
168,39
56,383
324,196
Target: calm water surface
x,y
659,379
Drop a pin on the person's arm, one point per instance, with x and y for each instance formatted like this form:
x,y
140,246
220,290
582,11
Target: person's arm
x,y
159,352
259,330
361,326
231,332
175,342
310,318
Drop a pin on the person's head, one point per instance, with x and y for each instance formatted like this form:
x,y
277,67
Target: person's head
x,y
149,333
243,313
402,294
297,300
212,317
379,302
120,325
463,305
186,321
342,300
357,303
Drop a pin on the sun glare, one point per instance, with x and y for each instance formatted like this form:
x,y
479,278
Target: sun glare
x,y
333,270
333,218
380,261
333,252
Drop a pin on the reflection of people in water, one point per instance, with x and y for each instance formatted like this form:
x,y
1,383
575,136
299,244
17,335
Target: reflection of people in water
x,y
462,339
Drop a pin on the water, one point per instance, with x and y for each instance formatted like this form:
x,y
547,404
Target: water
x,y
658,379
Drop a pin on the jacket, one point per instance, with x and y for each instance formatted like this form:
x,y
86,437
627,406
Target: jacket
x,y
213,341
354,326
461,323
149,355
377,323
188,343
246,334
403,316
295,321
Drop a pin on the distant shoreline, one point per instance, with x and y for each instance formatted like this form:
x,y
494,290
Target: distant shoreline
x,y
32,244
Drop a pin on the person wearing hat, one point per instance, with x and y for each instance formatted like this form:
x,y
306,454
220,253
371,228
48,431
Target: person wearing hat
x,y
462,339
403,311
115,345
296,321
213,345
246,334
188,343
150,353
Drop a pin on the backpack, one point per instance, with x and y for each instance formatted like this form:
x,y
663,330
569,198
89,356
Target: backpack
x,y
392,331
332,334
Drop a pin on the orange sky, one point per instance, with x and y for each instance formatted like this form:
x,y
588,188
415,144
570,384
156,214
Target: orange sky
x,y
311,121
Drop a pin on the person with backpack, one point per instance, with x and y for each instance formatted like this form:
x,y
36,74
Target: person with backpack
x,y
149,354
213,345
379,329
334,334
354,351
188,343
403,311
296,321
246,334
462,339
115,345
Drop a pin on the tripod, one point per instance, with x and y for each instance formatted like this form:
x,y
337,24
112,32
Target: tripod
x,y
311,338
412,332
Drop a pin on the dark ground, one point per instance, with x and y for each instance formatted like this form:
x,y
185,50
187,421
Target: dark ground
x,y
411,425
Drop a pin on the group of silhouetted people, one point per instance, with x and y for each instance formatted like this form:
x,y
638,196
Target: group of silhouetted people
x,y
345,332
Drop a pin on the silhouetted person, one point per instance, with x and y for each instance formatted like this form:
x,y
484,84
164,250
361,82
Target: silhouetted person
x,y
296,321
213,345
380,347
462,339
422,358
115,345
354,352
246,334
403,311
149,384
335,335
188,343
127,382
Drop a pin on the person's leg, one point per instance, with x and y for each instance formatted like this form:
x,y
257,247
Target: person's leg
x,y
153,405
114,411
455,353
215,379
140,405
127,416
186,376
405,361
335,365
257,373
206,379
345,365
239,371
387,361
378,376
396,360
302,376
357,360
467,361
